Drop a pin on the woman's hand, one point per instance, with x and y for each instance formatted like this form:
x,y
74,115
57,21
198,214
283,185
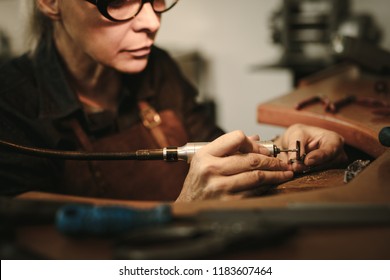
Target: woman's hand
x,y
232,166
320,147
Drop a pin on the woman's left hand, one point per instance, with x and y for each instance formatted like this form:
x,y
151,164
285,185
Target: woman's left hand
x,y
320,147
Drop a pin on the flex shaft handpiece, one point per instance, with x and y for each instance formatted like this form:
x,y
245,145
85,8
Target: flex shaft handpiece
x,y
169,154
187,151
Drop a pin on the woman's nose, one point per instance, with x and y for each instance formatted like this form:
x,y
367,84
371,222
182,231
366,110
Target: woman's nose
x,y
147,19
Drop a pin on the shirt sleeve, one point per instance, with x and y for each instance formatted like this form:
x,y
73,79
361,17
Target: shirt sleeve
x,y
19,172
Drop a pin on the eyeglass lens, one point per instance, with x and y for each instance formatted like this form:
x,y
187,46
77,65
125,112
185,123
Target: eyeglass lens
x,y
126,9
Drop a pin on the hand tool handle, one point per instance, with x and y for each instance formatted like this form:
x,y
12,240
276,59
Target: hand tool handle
x,y
384,136
106,220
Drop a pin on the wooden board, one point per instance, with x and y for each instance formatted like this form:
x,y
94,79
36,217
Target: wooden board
x,y
358,124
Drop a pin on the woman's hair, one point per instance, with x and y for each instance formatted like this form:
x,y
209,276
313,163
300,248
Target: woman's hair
x,y
39,26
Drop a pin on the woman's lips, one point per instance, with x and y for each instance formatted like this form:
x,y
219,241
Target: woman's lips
x,y
141,52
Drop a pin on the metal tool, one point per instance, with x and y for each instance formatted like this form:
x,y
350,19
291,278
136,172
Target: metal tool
x,y
214,232
331,106
169,154
187,151
354,169
108,220
200,238
384,136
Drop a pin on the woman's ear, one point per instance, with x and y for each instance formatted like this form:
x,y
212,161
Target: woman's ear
x,y
50,8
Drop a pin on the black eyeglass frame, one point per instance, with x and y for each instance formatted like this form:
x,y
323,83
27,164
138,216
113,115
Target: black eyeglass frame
x,y
102,7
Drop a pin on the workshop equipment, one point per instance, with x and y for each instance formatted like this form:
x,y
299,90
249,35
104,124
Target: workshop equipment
x,y
305,30
214,232
384,136
354,169
333,106
169,154
366,54
155,233
108,220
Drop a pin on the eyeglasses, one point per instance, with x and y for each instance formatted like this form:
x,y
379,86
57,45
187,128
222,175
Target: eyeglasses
x,y
123,10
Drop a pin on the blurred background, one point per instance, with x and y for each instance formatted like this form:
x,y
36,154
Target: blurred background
x,y
242,53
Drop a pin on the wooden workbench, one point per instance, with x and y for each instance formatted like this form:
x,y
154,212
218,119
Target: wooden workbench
x,y
370,187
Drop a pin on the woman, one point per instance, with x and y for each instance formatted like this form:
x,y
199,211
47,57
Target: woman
x,y
96,82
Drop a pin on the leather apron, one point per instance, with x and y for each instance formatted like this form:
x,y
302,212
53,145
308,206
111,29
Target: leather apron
x,y
126,179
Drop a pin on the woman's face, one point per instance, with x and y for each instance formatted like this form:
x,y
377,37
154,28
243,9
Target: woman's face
x,y
124,46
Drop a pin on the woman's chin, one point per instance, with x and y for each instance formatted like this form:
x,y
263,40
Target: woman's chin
x,y
136,65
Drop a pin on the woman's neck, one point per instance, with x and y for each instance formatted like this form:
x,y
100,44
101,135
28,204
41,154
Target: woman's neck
x,y
96,86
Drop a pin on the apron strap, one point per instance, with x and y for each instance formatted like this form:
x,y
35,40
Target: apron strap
x,y
81,136
100,184
152,120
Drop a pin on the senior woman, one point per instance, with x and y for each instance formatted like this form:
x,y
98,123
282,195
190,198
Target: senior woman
x,y
95,81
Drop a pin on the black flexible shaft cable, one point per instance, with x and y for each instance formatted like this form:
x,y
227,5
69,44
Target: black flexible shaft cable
x,y
82,155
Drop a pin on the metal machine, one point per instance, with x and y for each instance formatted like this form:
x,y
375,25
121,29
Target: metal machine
x,y
305,30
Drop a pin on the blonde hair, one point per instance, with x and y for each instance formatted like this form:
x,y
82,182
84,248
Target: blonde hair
x,y
39,27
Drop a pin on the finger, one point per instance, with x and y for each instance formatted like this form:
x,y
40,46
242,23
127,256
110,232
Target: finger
x,y
229,144
331,162
295,158
254,137
260,148
326,163
300,150
253,179
283,157
317,157
264,151
240,163
325,152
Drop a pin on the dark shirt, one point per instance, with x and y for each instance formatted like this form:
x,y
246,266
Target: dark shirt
x,y
35,99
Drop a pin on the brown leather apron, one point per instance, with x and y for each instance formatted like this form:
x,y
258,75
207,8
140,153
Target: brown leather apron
x,y
123,179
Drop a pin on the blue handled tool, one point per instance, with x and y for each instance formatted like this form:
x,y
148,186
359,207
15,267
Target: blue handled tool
x,y
108,220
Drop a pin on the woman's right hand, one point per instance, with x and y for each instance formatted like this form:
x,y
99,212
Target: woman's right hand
x,y
232,166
